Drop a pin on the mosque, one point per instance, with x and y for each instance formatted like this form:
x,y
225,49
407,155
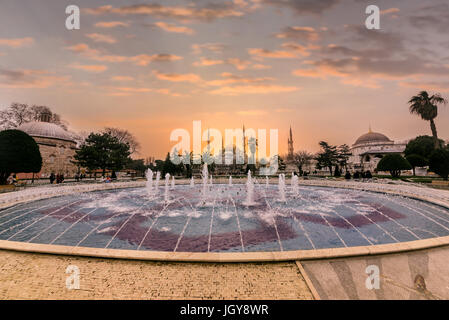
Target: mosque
x,y
366,153
369,148
56,145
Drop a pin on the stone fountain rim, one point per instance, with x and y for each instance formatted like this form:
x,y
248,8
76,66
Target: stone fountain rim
x,y
229,257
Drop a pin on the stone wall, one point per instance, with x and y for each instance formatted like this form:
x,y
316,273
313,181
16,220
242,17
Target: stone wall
x,y
57,156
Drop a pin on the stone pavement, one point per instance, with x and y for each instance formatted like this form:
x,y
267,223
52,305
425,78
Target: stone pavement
x,y
41,276
414,275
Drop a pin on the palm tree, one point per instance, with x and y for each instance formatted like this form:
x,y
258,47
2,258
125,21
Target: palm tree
x,y
427,107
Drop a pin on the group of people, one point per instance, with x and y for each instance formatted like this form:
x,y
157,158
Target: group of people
x,y
59,178
79,177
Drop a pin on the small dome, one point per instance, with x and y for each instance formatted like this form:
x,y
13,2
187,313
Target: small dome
x,y
372,137
46,130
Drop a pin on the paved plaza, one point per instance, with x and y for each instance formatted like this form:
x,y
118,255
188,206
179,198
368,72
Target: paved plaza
x,y
41,276
422,274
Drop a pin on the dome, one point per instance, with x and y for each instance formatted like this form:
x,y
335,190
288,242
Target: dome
x,y
46,130
372,137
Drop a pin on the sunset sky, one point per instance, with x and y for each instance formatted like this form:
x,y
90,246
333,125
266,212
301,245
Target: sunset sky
x,y
151,67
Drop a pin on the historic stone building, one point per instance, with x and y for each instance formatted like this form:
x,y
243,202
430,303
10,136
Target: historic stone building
x,y
56,145
370,148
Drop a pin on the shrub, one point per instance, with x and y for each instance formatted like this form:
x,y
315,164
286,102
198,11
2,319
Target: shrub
x,y
439,162
394,163
19,154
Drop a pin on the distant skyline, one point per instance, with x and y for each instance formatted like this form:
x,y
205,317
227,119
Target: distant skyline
x,y
153,66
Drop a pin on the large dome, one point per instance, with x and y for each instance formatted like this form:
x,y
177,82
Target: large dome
x,y
46,130
371,137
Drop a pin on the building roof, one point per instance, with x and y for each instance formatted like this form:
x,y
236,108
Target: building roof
x,y
46,130
371,137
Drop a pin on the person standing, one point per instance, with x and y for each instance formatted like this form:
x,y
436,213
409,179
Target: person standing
x,y
52,178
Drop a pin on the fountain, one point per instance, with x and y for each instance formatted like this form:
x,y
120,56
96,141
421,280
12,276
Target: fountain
x,y
267,181
166,196
205,178
172,183
327,214
294,183
192,182
249,191
158,178
149,183
281,187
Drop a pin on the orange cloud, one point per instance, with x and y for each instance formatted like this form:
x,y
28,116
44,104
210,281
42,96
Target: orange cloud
x,y
17,42
122,78
300,33
253,89
177,77
90,68
111,24
214,47
140,60
254,112
299,49
205,62
232,79
207,13
170,27
391,10
97,37
276,54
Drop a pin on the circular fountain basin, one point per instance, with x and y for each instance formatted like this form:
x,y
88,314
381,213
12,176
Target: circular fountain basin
x,y
221,220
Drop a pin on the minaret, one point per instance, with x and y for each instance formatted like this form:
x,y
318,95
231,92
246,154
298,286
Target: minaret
x,y
291,151
244,145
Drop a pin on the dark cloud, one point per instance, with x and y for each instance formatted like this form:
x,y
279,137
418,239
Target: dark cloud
x,y
12,75
388,41
434,17
388,67
304,6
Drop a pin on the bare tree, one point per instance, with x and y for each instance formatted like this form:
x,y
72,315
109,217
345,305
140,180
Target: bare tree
x,y
20,113
14,116
55,118
124,136
301,159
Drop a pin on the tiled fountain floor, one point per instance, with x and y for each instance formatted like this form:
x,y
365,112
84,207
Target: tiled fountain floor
x,y
41,276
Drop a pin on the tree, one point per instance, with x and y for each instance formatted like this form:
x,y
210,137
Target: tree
x,y
124,136
343,156
422,145
328,157
427,107
169,166
394,163
439,162
137,165
37,111
102,151
416,160
19,154
301,159
20,113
